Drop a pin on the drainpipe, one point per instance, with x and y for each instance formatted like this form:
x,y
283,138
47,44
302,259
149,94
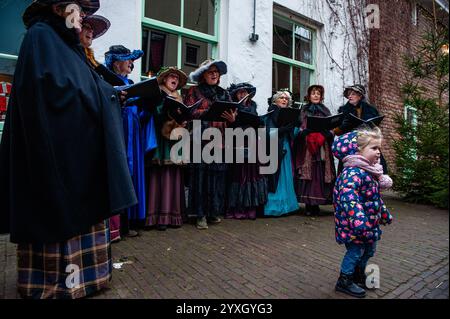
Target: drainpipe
x,y
254,37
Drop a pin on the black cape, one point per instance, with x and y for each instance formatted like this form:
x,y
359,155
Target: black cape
x,y
368,112
62,155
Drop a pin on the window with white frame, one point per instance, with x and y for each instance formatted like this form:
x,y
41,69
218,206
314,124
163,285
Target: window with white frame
x,y
411,115
180,33
414,11
411,119
293,56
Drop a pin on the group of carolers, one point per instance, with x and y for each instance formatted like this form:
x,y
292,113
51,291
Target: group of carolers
x,y
305,174
83,165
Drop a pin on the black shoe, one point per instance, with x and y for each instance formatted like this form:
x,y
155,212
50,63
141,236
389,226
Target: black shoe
x,y
346,285
315,209
161,227
312,210
360,277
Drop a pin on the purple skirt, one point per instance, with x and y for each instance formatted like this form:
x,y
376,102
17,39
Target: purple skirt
x,y
315,191
166,196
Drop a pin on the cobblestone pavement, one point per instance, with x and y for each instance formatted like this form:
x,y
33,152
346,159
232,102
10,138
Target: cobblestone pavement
x,y
287,257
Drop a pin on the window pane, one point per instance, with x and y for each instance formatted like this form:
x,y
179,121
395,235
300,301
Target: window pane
x,y
303,47
12,29
282,37
161,49
280,76
164,10
410,116
194,53
199,15
300,83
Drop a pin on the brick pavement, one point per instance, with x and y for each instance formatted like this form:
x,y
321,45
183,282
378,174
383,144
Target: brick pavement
x,y
286,257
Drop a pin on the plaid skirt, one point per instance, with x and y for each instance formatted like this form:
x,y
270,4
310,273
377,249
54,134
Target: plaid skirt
x,y
71,269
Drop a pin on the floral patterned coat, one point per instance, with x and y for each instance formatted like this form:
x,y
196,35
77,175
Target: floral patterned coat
x,y
359,208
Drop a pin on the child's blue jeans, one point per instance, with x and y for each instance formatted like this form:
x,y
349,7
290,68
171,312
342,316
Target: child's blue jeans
x,y
357,255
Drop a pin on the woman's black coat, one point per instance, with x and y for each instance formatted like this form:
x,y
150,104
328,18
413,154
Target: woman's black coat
x,y
367,112
62,155
271,120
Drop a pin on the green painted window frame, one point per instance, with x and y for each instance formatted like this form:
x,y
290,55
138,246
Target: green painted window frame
x,y
181,32
291,62
1,128
8,56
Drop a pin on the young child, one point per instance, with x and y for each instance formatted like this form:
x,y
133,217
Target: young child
x,y
359,208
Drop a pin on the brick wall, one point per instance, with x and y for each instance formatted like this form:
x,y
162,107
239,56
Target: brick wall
x,y
396,37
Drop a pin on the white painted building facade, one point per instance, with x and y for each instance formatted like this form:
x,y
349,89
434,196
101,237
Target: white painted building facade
x,y
185,32
247,60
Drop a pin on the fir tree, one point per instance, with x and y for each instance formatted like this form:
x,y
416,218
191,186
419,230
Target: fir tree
x,y
422,151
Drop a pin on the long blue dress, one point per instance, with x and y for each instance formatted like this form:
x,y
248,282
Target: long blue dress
x,y
139,139
284,200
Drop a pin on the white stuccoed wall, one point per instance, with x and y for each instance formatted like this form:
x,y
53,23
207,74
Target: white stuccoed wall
x,y
253,61
246,61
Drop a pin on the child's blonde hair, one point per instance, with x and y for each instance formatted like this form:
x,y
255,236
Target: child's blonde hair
x,y
365,134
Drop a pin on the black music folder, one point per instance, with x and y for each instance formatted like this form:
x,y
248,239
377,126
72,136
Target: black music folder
x,y
148,89
178,111
288,116
374,121
316,123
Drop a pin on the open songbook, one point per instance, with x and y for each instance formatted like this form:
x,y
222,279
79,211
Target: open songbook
x,y
148,89
316,123
245,118
178,111
287,116
374,121
215,111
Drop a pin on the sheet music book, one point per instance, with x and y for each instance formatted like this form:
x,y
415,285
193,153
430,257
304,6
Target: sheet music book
x,y
148,89
180,112
215,111
316,123
287,116
247,118
356,121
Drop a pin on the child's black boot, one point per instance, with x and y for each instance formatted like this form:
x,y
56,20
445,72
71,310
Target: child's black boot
x,y
359,277
346,285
